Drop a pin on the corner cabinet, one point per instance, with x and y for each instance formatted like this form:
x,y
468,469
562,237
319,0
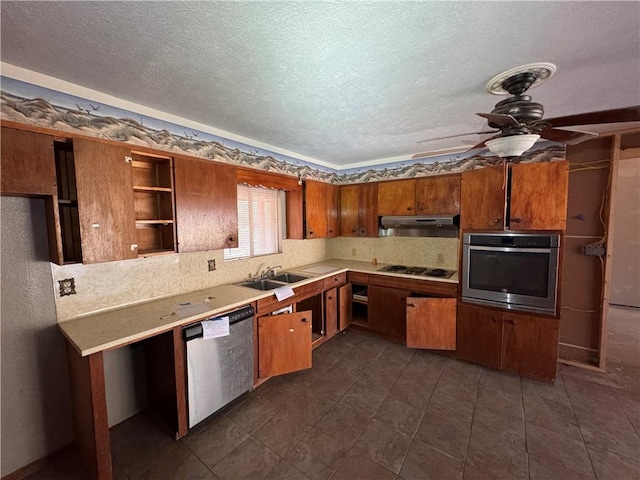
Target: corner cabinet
x,y
359,210
529,196
206,205
320,210
518,343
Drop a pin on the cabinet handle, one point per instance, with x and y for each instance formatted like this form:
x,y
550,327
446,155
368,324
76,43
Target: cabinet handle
x,y
494,319
330,298
412,305
495,219
303,319
353,231
310,232
516,220
330,231
511,322
409,208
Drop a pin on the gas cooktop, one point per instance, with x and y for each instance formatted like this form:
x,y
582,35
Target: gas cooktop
x,y
422,271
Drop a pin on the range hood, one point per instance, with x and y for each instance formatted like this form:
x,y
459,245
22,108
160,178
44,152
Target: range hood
x,y
419,226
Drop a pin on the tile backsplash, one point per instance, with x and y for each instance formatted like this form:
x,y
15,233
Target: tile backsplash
x,y
104,286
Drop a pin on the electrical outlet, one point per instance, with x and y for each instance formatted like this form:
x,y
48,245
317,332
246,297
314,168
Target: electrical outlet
x,y
353,252
67,286
440,259
211,265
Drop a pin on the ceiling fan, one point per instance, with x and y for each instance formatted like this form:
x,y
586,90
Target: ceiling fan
x,y
518,121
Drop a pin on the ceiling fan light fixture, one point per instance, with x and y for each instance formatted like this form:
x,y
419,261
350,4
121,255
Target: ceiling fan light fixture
x,y
511,146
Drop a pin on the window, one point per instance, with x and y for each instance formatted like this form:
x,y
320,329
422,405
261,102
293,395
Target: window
x,y
258,223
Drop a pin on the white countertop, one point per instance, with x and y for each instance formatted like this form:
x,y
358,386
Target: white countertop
x,y
119,327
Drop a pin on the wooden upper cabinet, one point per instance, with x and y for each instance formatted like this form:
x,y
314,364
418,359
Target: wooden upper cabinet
x,y
349,202
539,193
397,197
315,208
333,223
206,205
431,323
438,195
27,163
106,211
483,196
359,210
368,210
284,343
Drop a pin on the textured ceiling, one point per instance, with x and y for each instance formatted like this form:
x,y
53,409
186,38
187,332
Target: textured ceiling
x,y
342,82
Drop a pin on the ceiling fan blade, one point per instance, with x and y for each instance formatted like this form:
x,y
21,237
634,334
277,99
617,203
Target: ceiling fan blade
x,y
481,144
568,137
455,136
617,115
500,119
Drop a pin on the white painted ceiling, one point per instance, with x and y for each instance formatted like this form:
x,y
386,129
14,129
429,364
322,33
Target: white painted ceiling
x,y
341,82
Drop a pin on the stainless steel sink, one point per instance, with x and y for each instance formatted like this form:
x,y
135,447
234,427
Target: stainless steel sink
x,y
262,285
289,278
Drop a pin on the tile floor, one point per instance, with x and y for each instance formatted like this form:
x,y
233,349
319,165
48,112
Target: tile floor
x,y
372,409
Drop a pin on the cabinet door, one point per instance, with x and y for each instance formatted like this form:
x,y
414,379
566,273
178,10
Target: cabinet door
x,y
387,310
27,163
349,200
104,181
206,205
333,224
438,195
368,210
344,306
331,312
431,323
530,345
397,197
315,209
479,335
483,197
539,193
284,343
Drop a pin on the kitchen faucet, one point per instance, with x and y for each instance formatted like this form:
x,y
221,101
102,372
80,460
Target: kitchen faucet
x,y
270,271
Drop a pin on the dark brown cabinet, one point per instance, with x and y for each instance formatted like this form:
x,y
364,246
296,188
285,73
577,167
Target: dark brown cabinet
x,y
518,197
397,197
27,163
331,312
387,310
358,210
206,205
519,343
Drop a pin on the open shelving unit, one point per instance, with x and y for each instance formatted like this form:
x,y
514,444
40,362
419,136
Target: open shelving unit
x,y
359,304
154,204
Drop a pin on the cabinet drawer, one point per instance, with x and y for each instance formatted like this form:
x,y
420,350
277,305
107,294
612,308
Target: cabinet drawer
x,y
440,289
271,303
357,277
335,281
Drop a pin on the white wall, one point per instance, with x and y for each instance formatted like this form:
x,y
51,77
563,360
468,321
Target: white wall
x,y
36,403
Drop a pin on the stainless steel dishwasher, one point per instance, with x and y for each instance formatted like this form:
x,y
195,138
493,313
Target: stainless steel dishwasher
x,y
218,369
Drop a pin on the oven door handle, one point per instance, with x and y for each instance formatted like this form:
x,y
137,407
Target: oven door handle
x,y
510,249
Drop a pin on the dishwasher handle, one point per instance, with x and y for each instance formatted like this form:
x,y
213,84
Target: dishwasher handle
x,y
195,331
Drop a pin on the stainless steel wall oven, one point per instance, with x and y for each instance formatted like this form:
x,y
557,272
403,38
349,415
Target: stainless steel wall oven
x,y
516,271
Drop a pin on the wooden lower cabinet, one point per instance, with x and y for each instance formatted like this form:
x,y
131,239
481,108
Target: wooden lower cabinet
x,y
431,323
519,343
344,306
479,335
331,312
387,310
284,343
530,345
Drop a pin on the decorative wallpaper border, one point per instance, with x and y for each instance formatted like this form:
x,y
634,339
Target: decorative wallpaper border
x,y
89,118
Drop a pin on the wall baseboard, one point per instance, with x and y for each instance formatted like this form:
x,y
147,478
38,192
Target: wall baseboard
x,y
33,467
